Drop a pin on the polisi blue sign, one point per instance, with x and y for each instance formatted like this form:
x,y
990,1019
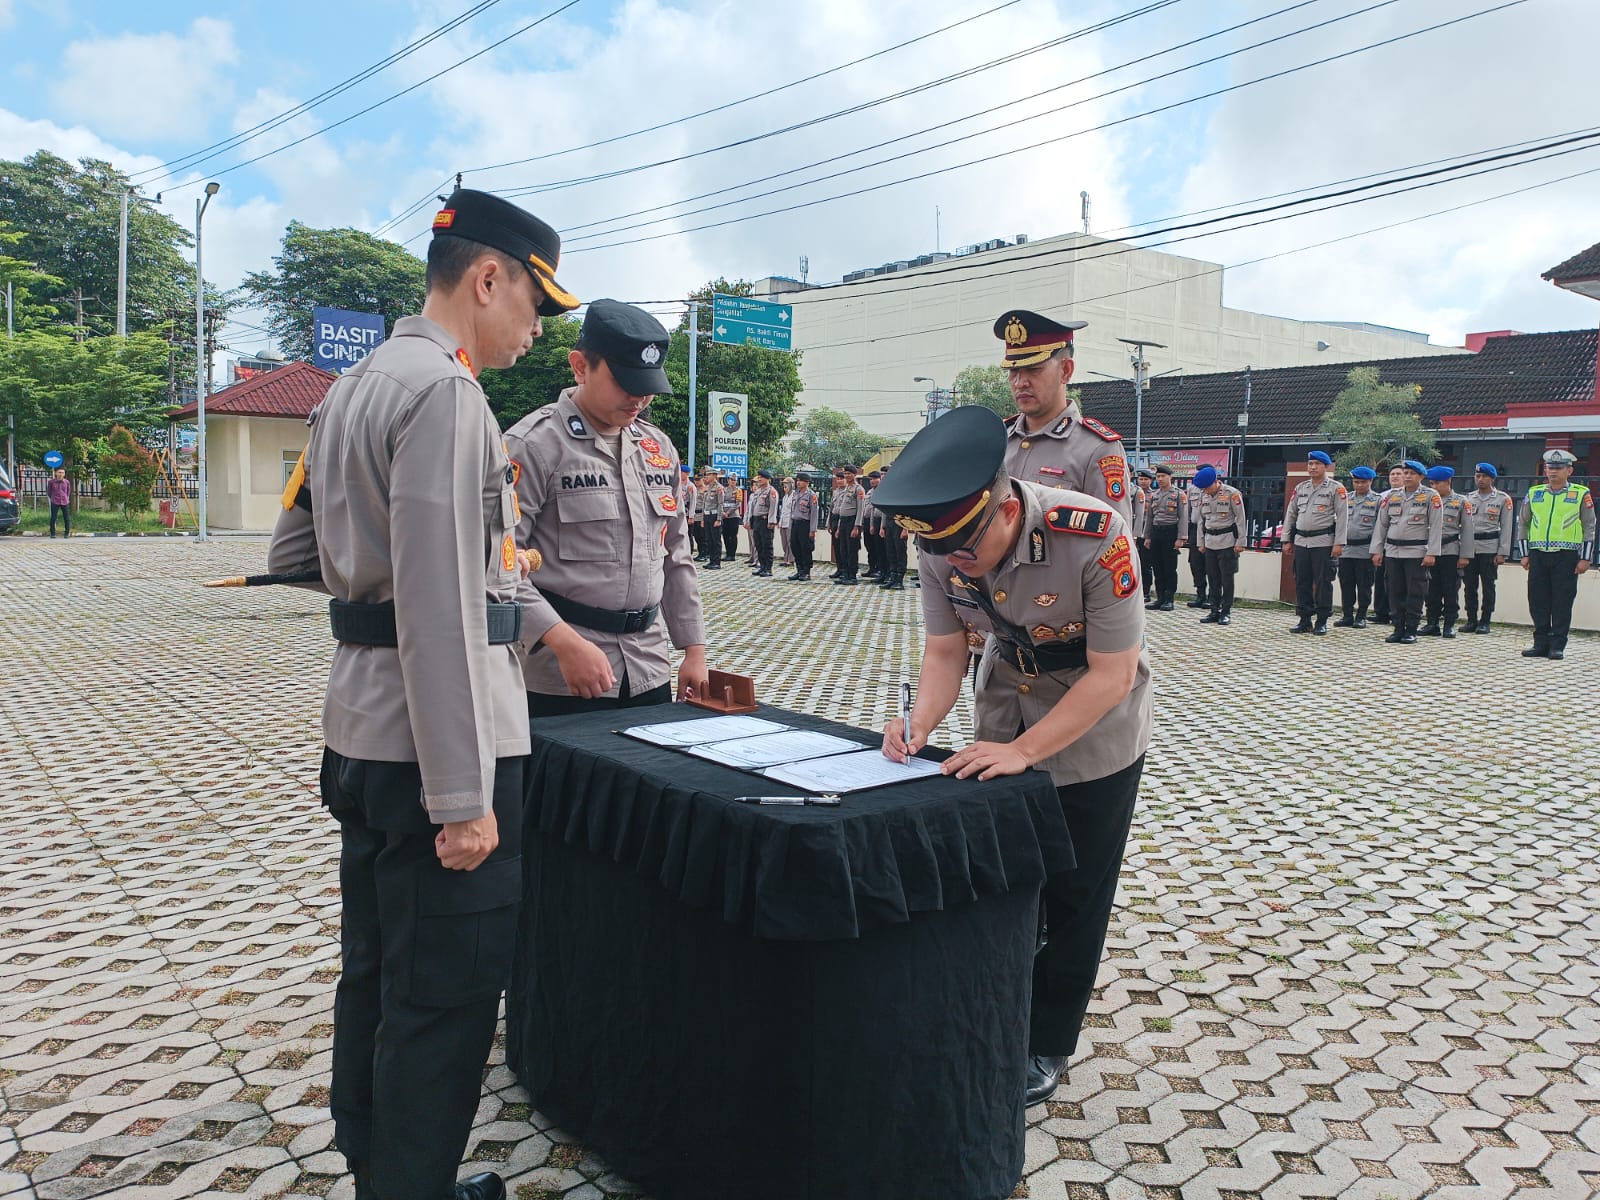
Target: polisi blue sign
x,y
340,338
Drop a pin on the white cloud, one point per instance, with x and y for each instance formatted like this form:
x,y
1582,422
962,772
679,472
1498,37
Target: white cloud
x,y
153,85
22,136
8,14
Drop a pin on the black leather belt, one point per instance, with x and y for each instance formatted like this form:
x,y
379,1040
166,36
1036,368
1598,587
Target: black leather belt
x,y
1486,537
1313,532
605,620
1031,660
357,624
1230,530
1407,542
1361,541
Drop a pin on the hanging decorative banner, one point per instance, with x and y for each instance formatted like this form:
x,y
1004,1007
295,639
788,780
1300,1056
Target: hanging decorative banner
x,y
730,432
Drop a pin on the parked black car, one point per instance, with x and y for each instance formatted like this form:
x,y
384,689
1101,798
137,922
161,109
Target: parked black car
x,y
10,514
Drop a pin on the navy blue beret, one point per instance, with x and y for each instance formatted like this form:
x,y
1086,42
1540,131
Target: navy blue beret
x,y
1320,456
1363,473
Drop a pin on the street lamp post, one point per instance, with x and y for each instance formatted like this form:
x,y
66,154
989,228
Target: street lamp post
x,y
200,380
935,398
1140,367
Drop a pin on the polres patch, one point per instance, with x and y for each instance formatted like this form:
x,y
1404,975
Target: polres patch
x,y
1115,470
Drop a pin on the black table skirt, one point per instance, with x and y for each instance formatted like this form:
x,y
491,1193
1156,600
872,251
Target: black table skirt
x,y
708,1062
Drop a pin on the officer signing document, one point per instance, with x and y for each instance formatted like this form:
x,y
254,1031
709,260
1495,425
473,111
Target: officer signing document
x,y
408,508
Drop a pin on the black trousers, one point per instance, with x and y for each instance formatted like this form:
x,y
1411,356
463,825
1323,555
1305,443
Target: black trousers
x,y
1481,570
1355,580
66,519
542,705
712,538
1077,908
1221,567
1552,588
1163,554
1147,570
895,544
761,537
803,545
1380,592
848,554
1408,587
730,538
1444,590
1198,569
1313,582
425,953
874,548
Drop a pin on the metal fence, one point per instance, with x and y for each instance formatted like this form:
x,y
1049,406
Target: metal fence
x,y
31,485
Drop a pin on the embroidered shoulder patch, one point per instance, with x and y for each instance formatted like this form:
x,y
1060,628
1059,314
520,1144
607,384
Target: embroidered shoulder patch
x,y
1100,430
1091,522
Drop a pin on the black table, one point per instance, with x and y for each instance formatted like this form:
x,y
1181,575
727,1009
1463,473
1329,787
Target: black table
x,y
731,1002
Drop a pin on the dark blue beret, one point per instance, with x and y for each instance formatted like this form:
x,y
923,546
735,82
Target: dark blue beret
x,y
1205,476
1320,456
1435,474
1487,469
1363,473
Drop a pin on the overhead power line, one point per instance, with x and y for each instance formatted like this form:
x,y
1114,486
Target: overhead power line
x,y
205,154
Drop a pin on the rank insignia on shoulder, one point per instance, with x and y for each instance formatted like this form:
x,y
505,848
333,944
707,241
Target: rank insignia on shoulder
x,y
576,425
1046,599
1101,430
464,358
1035,546
1091,522
650,446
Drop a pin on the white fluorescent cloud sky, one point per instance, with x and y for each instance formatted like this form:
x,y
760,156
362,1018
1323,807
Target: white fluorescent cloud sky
x,y
142,85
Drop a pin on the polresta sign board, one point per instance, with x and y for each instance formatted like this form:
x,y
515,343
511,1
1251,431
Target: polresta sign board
x,y
341,338
730,432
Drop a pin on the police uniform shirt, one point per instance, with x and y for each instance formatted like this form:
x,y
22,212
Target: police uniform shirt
x,y
691,500
1219,518
1141,513
1194,496
1060,587
1408,524
612,536
1075,452
1166,507
763,502
1492,522
1361,518
869,515
847,501
1455,526
712,500
804,508
412,499
730,501
1316,514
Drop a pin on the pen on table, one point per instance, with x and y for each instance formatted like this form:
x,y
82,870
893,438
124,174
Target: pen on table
x,y
905,707
828,800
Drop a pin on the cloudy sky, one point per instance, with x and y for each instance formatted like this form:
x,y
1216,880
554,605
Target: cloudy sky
x,y
640,128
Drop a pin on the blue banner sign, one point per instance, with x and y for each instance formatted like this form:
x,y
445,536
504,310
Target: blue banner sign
x,y
340,338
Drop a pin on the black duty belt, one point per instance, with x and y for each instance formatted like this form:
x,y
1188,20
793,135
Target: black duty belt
x,y
1486,537
357,624
1230,530
605,620
1031,660
1352,539
1407,542
1298,532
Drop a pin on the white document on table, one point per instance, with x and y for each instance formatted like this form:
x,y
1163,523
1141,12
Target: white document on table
x,y
772,749
850,772
682,734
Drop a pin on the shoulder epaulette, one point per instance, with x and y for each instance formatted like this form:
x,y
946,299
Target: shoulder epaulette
x,y
1066,518
1100,430
1011,421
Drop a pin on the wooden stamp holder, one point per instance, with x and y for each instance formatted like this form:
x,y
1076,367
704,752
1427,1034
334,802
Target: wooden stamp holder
x,y
725,692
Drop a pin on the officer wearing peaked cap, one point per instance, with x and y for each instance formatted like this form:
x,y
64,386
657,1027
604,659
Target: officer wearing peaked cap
x,y
403,501
1049,441
597,495
1556,536
1045,581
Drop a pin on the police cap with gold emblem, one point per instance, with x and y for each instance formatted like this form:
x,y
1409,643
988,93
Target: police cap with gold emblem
x,y
633,343
490,221
1030,338
945,478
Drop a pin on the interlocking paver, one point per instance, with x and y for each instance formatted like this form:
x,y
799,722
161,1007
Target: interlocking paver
x,y
1347,960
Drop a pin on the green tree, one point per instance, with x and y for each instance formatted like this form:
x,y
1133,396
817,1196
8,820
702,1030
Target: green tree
x,y
127,473
62,389
988,386
69,219
1379,421
333,268
539,376
829,438
30,287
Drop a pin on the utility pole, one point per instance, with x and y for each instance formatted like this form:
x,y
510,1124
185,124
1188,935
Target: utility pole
x,y
122,270
11,416
1244,425
201,379
1084,196
1140,375
694,375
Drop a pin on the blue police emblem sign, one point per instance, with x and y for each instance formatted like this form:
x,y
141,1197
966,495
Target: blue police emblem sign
x,y
730,434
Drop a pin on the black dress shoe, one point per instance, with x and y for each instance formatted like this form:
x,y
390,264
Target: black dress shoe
x,y
897,585
1320,629
487,1186
1165,606
1199,602
713,566
1360,623
1303,627
1537,651
1345,623
1408,638
1449,631
1556,655
1481,627
1044,1074
1224,619
1394,638
1211,618
846,581
763,574
1431,629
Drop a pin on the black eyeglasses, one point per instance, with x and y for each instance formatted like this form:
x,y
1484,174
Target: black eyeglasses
x,y
967,551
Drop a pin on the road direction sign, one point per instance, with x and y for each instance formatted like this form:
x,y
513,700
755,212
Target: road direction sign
x,y
743,321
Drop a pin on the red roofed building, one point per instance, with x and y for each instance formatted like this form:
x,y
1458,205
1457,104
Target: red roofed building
x,y
255,431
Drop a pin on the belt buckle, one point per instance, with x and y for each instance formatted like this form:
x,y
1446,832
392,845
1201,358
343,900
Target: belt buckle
x,y
1028,662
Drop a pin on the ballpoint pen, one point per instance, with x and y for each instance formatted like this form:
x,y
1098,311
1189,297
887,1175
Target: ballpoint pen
x,y
905,707
827,800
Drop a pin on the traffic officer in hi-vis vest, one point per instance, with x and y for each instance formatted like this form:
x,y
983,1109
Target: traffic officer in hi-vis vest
x,y
403,500
1355,564
598,497
1406,543
1313,535
1046,581
1221,527
1555,532
1493,519
1455,549
1049,441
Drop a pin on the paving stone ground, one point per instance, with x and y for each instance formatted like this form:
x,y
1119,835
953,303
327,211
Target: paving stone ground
x,y
1356,952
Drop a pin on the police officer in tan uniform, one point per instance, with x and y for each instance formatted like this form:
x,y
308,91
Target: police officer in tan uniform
x,y
761,515
404,502
1220,524
1045,581
1355,563
805,510
848,502
1380,577
597,488
1455,550
1049,441
1492,520
1405,543
713,497
1166,523
1313,536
